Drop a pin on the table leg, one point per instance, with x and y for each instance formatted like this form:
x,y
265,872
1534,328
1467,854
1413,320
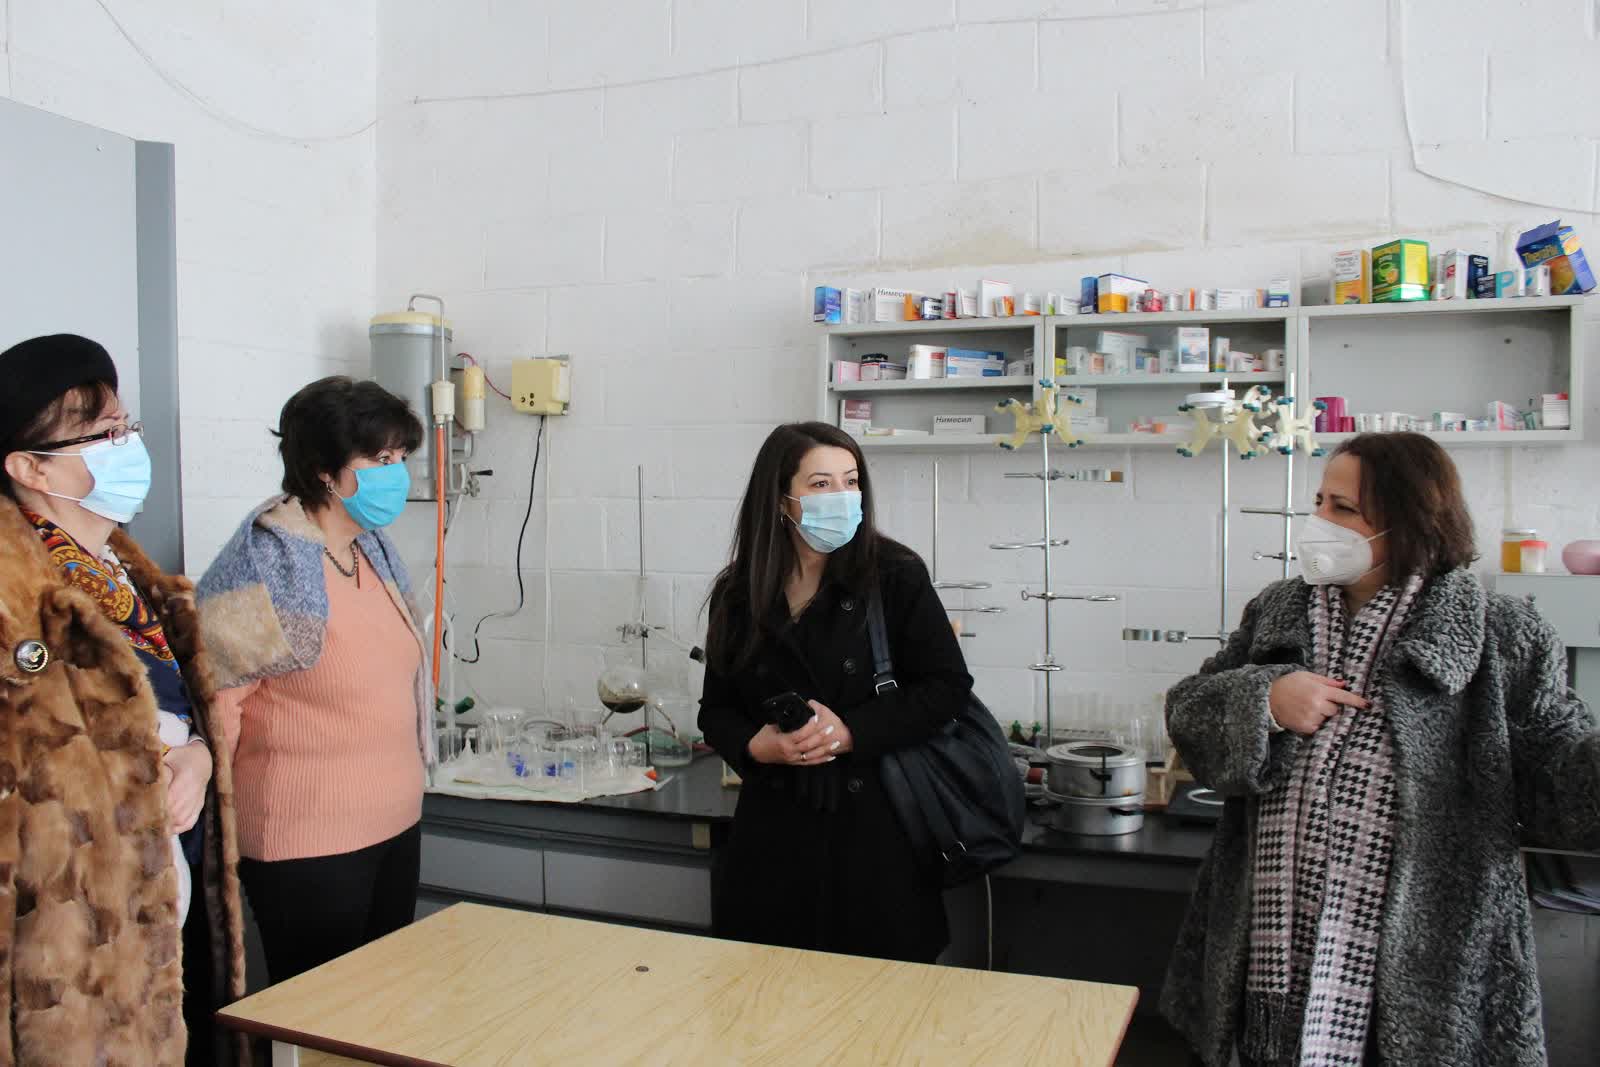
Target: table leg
x,y
285,1054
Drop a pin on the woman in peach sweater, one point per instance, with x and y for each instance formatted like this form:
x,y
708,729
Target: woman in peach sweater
x,y
324,700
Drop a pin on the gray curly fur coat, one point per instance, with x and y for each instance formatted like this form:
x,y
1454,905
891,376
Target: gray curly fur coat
x,y
1489,743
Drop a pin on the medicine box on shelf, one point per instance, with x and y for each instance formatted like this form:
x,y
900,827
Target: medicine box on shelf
x,y
1145,399
958,409
1422,357
1449,356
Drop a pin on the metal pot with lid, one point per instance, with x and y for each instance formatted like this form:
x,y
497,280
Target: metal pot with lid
x,y
1097,816
1095,769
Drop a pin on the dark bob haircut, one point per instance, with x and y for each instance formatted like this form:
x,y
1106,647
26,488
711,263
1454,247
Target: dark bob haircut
x,y
1410,487
333,421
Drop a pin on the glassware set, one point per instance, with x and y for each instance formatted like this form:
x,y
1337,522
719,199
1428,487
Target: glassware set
x,y
515,748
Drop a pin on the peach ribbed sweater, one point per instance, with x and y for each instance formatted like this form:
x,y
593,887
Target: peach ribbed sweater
x,y
325,760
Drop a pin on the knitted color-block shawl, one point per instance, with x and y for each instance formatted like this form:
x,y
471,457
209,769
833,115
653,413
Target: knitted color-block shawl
x,y
264,602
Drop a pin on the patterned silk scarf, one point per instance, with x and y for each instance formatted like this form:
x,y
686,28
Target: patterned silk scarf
x,y
1323,850
107,582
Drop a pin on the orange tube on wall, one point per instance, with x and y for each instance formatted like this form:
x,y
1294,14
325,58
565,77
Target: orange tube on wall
x,y
440,444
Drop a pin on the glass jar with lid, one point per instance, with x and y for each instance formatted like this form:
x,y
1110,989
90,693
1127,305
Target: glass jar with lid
x,y
1511,548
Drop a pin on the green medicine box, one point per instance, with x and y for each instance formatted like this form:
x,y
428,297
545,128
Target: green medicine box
x,y
1400,271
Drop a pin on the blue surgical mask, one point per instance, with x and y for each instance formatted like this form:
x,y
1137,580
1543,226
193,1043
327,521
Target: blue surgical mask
x,y
121,476
829,520
380,495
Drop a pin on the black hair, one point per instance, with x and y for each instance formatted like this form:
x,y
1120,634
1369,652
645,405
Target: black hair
x,y
68,415
333,421
749,591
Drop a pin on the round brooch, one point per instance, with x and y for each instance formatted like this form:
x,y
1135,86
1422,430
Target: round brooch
x,y
32,657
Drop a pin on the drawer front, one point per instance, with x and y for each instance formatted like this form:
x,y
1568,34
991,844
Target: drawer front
x,y
483,868
635,889
1570,603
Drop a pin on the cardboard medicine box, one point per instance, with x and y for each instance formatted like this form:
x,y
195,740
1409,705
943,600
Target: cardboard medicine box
x,y
1352,277
1194,349
1557,246
1400,271
827,305
962,424
855,416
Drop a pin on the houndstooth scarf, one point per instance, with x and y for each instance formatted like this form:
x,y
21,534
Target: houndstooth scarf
x,y
1323,847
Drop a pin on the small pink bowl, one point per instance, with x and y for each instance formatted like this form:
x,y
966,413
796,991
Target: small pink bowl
x,y
1582,557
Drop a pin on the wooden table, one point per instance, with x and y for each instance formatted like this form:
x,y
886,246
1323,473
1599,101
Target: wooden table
x,y
474,985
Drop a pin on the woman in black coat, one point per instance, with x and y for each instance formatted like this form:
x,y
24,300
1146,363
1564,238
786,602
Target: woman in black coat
x,y
818,858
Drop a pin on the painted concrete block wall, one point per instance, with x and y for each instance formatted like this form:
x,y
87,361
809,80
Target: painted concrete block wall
x,y
270,108
654,186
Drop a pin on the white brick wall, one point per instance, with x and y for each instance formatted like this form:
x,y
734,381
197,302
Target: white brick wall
x,y
275,235
754,151
653,186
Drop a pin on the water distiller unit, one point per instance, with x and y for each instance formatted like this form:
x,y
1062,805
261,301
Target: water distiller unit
x,y
411,351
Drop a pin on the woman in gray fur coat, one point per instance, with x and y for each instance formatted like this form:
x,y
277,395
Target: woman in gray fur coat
x,y
1383,731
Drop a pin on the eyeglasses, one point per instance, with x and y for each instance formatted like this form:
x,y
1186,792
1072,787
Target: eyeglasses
x,y
117,435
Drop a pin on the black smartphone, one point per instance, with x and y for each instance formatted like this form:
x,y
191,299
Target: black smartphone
x,y
788,711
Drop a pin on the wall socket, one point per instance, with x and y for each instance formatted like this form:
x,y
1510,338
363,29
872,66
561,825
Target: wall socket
x,y
542,386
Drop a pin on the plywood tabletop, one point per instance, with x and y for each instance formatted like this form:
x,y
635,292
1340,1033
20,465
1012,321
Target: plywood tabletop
x,y
474,985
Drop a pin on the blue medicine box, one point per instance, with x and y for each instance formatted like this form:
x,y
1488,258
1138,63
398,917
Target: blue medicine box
x,y
827,305
1557,245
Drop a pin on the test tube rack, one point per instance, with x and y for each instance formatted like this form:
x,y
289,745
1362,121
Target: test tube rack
x,y
1048,665
1285,556
945,584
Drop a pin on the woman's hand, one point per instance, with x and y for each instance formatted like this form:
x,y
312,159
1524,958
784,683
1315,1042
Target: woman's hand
x,y
186,772
831,738
822,740
1301,702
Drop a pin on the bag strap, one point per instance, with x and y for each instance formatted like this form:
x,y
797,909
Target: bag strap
x,y
883,680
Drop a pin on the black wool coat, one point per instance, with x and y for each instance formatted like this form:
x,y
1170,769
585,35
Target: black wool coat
x,y
818,859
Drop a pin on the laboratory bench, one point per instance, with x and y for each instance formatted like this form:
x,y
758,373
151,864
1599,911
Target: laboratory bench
x,y
647,857
1101,909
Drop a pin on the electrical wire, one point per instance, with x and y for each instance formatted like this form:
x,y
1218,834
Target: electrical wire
x,y
213,110
522,593
470,359
549,588
988,896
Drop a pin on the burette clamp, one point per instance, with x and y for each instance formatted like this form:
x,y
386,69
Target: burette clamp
x,y
1092,598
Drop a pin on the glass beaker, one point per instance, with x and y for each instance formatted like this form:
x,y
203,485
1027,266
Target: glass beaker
x,y
501,728
570,764
450,741
670,740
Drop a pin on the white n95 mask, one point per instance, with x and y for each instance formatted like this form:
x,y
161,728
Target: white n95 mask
x,y
1332,555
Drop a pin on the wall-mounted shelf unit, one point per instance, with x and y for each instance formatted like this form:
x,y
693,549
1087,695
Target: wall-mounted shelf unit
x,y
1416,358
912,404
945,385
1455,355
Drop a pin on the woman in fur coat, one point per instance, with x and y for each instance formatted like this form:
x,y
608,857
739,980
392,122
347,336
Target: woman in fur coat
x,y
115,816
1384,731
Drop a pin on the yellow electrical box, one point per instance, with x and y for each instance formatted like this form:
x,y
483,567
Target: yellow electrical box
x,y
541,386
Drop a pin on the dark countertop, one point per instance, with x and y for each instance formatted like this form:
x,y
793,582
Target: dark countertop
x,y
1162,839
695,794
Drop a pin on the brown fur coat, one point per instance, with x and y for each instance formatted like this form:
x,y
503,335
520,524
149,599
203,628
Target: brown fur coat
x,y
90,949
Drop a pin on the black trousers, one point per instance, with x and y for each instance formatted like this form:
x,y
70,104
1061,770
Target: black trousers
x,y
314,910
197,977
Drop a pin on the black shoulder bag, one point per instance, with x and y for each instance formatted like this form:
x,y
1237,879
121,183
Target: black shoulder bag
x,y
958,795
